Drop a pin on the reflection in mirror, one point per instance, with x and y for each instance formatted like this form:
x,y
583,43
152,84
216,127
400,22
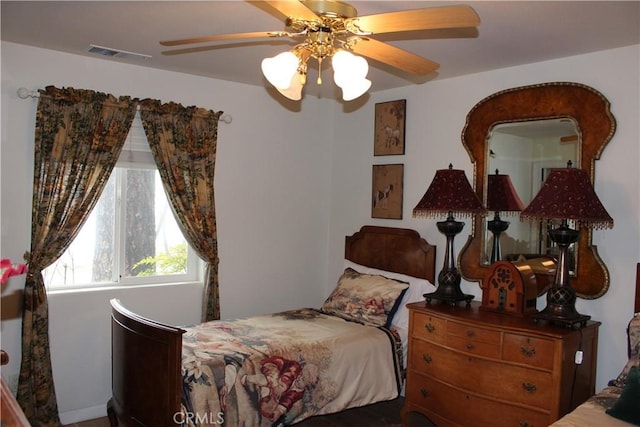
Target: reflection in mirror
x,y
501,197
525,152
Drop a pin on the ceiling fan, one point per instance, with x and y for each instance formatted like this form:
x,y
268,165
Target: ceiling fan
x,y
333,29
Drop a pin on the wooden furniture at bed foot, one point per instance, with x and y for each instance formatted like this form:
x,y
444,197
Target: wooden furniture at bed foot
x,y
473,367
11,414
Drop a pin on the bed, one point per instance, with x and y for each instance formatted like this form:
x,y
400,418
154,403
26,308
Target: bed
x,y
281,368
618,404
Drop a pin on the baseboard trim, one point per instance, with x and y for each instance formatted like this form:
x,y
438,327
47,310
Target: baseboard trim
x,y
85,414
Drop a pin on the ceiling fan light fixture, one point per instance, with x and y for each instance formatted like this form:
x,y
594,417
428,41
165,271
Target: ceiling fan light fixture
x,y
280,69
355,89
340,60
349,73
294,91
333,29
348,68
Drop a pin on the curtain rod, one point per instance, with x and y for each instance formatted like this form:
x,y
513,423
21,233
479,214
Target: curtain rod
x,y
24,93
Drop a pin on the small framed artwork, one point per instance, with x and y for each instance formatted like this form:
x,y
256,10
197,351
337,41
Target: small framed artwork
x,y
387,186
389,128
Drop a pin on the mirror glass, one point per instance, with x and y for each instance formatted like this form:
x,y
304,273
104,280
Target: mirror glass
x,y
526,152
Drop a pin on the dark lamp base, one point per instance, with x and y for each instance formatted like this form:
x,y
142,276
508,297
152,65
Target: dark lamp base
x,y
449,289
497,227
561,298
560,309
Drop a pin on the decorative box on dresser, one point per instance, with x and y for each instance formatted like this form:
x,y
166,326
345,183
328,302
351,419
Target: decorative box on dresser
x,y
473,367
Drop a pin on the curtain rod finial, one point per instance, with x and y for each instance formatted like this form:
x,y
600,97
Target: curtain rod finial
x,y
226,118
24,93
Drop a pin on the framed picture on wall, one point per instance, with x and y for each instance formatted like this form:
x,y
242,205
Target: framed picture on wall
x,y
387,189
389,128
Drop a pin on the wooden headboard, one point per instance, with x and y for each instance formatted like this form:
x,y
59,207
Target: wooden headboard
x,y
400,250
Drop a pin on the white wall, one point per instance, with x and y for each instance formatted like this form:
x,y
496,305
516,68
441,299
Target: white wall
x,y
272,190
436,114
287,194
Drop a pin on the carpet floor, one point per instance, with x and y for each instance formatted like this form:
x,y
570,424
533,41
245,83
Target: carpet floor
x,y
383,414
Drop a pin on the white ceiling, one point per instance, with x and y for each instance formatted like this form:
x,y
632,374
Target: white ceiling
x,y
510,33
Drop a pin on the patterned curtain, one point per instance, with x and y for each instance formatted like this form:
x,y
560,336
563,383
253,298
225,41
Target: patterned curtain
x,y
183,142
78,138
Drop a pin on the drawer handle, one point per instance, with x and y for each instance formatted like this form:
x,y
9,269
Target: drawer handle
x,y
429,327
529,388
470,333
524,424
424,392
426,358
469,347
528,351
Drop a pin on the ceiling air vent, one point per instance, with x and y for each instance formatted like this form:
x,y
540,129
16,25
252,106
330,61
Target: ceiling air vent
x,y
115,53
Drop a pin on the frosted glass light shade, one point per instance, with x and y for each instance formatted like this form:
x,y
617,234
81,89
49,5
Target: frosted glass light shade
x,y
348,68
340,61
280,69
360,67
355,89
349,73
294,91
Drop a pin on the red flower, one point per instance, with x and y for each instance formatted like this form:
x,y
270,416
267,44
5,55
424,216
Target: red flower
x,y
7,269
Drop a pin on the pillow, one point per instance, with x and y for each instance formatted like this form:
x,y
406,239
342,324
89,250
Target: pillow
x,y
365,298
633,342
626,408
417,288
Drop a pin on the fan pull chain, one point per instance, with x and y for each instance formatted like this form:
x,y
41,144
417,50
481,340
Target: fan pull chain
x,y
319,81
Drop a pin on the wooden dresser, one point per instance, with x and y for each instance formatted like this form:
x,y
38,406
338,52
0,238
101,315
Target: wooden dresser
x,y
472,367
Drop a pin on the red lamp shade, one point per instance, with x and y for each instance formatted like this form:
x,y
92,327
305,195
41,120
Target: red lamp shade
x,y
449,192
568,194
501,196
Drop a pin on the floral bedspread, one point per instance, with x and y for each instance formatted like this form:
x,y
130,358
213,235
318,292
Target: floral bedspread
x,y
592,412
282,368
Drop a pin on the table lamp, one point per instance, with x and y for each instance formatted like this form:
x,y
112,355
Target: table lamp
x,y
451,194
567,194
501,197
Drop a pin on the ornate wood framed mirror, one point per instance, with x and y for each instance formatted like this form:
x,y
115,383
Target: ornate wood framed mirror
x,y
589,115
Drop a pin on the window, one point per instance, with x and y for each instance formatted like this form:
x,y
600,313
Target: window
x,y
131,237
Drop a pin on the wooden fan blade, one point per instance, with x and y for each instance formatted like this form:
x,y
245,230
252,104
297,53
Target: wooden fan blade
x,y
256,35
394,56
460,16
293,9
211,47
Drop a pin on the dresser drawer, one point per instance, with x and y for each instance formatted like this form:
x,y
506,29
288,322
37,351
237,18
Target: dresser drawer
x,y
488,336
529,350
428,327
493,379
527,386
474,340
471,346
469,409
465,372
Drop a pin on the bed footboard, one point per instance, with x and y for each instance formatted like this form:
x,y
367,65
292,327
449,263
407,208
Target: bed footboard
x,y
145,370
